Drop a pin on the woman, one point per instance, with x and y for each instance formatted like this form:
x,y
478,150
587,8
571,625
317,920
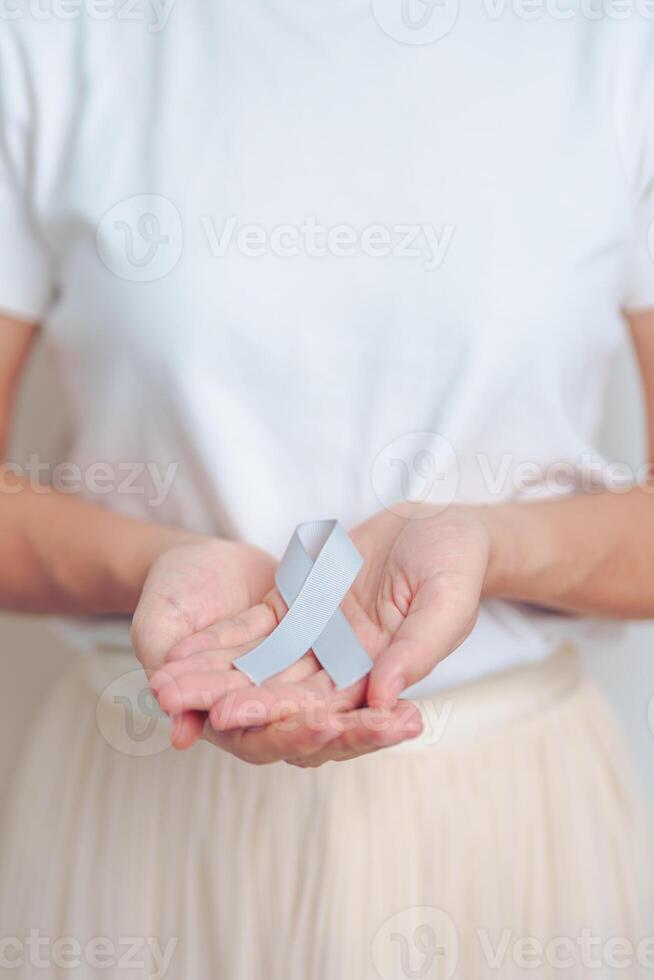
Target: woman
x,y
304,260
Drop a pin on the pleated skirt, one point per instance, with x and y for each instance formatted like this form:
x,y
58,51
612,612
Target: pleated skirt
x,y
506,842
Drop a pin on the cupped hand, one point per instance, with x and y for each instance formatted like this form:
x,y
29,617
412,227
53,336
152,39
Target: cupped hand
x,y
193,589
414,601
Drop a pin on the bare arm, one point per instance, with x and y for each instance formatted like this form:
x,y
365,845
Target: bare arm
x,y
591,553
57,552
416,600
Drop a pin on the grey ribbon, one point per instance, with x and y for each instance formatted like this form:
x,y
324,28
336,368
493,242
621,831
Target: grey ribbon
x,y
314,576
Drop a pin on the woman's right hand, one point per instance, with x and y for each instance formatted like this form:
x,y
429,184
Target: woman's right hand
x,y
192,597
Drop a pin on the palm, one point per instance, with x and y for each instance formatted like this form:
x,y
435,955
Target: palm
x,y
192,588
414,601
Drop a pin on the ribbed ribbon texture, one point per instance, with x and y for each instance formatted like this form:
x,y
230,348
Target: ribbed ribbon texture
x,y
314,576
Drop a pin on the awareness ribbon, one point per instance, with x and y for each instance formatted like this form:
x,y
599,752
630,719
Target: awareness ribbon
x,y
314,576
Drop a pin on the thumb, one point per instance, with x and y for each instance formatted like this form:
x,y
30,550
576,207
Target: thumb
x,y
186,729
436,623
158,624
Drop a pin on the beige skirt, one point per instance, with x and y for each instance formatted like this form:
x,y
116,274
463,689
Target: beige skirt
x,y
506,842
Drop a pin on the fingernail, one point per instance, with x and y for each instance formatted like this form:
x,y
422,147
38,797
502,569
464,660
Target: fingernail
x,y
177,727
158,681
413,729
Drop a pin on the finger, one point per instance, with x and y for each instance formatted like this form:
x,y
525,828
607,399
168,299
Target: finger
x,y
233,637
437,622
157,626
204,679
273,743
198,691
186,729
201,679
308,693
198,663
209,661
367,730
253,624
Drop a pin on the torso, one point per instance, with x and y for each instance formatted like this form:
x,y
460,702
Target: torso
x,y
276,380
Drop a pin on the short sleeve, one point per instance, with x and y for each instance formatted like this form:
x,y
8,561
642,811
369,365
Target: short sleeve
x,y
25,273
639,286
639,293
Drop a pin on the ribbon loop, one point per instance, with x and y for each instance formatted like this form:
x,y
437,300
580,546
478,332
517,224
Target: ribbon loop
x,y
314,576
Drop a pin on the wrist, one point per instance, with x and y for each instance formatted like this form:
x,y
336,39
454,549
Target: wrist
x,y
491,527
500,559
137,549
519,549
492,524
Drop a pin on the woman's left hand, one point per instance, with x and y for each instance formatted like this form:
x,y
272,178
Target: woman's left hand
x,y
414,601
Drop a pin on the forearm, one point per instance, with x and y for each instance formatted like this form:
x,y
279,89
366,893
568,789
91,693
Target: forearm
x,y
587,554
61,554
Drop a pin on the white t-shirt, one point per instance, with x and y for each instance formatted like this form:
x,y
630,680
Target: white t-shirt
x,y
276,244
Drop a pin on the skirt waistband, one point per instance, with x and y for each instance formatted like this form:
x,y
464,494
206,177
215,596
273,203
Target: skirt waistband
x,y
467,712
455,715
